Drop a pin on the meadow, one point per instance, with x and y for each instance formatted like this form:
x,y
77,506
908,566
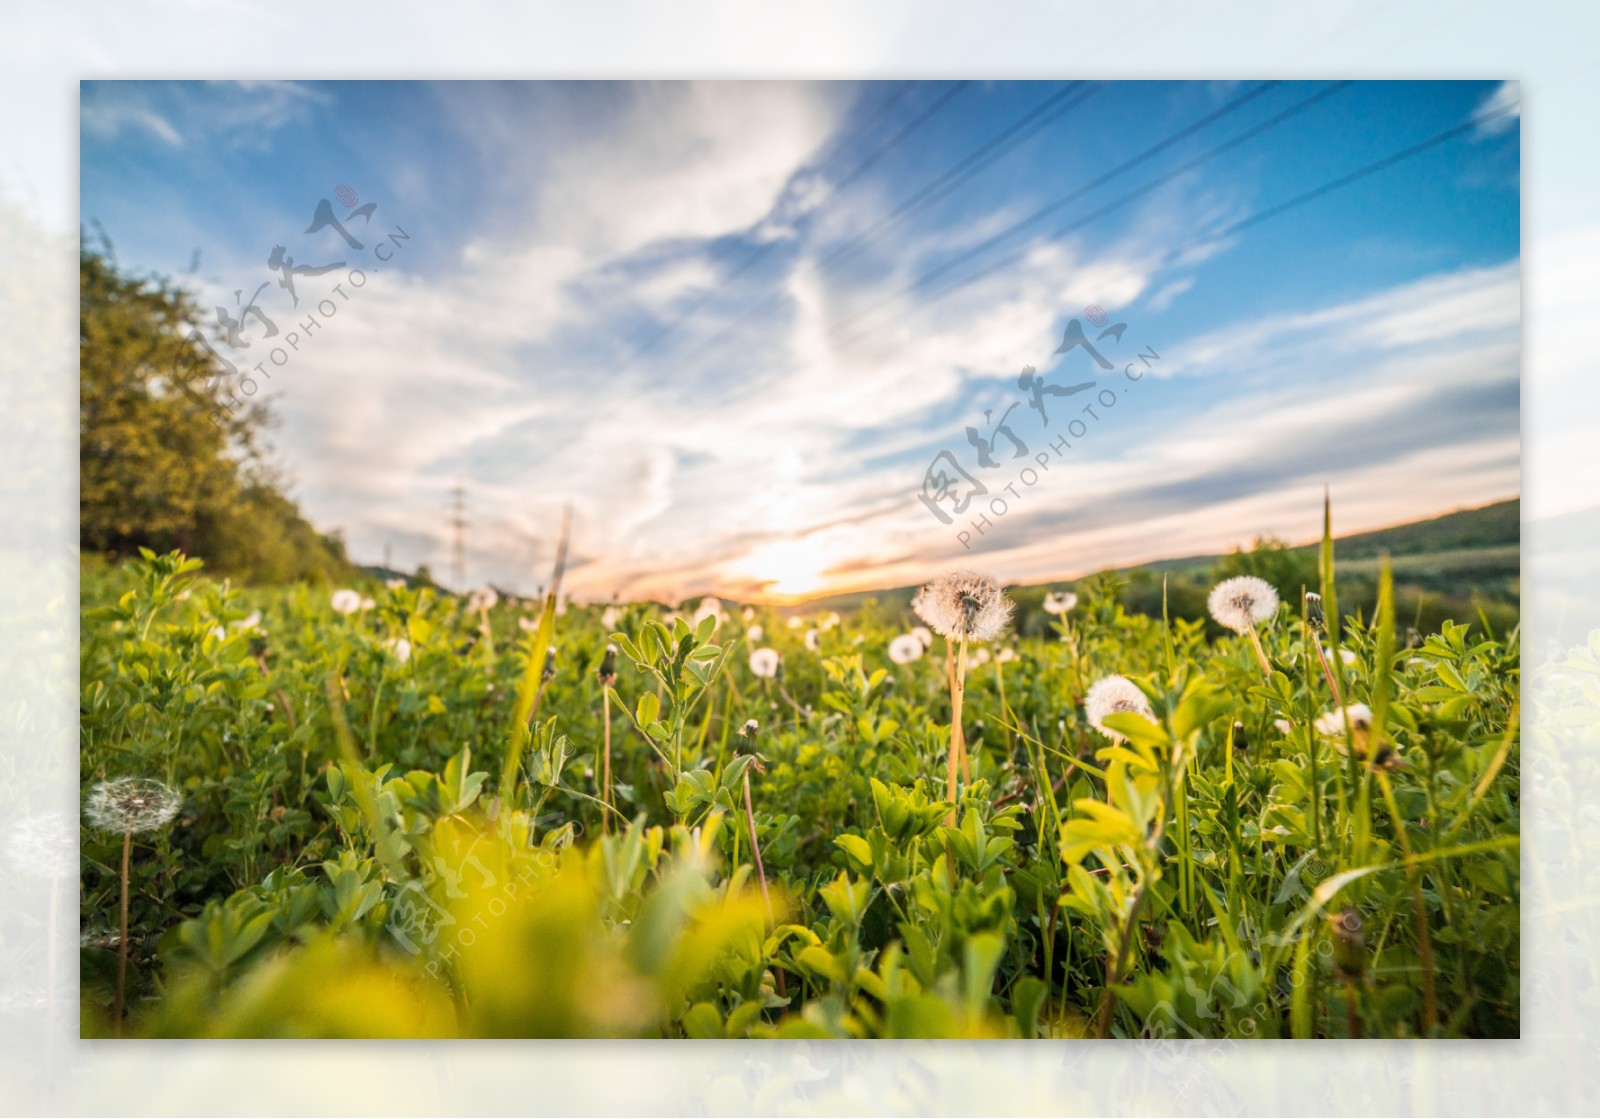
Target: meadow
x,y
387,810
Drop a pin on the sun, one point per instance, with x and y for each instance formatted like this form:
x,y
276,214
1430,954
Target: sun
x,y
789,568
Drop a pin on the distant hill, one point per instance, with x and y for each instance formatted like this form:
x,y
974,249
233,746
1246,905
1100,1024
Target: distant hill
x,y
1464,565
1485,529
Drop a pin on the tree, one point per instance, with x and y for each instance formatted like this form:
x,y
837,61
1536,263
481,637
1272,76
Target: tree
x,y
1287,568
168,456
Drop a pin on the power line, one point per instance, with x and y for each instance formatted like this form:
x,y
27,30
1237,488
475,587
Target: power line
x,y
1073,195
1032,219
458,536
1251,220
974,162
1161,180
951,177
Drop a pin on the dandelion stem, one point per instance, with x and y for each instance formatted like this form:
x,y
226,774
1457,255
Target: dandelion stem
x,y
1261,655
122,937
958,743
1327,671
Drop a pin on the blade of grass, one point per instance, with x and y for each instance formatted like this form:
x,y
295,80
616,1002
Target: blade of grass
x,y
529,689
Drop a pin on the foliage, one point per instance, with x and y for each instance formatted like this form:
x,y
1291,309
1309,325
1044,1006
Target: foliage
x,y
166,459
413,840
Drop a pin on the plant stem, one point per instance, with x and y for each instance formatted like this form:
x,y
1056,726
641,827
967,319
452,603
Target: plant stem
x,y
122,934
1430,1009
761,873
605,772
1261,655
958,747
1352,1016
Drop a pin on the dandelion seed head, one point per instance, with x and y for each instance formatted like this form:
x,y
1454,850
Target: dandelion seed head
x,y
484,598
1006,654
906,648
1112,695
1242,603
964,604
43,846
1331,723
924,635
346,601
610,618
755,633
813,640
1059,603
796,622
402,650
131,804
750,728
1346,656
710,607
395,584
1314,610
764,662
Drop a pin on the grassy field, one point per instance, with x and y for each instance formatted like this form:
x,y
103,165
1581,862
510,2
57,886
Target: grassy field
x,y
393,811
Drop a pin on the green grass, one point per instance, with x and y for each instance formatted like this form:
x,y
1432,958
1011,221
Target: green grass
x,y
378,846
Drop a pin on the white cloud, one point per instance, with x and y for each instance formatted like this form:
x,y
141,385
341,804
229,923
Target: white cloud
x,y
1505,100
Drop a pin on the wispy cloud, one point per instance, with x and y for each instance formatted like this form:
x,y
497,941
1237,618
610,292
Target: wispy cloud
x,y
245,114
1507,96
643,320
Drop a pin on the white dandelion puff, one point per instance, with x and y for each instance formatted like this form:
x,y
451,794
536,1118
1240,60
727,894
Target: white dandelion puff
x,y
1059,603
813,640
1330,724
764,662
964,604
748,614
346,601
796,622
368,603
1284,726
1346,656
981,655
250,623
610,618
709,607
395,584
1007,653
131,804
1242,603
484,598
906,648
1112,695
402,650
830,620
43,846
924,635
755,633
527,625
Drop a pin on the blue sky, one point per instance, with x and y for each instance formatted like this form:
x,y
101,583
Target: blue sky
x,y
733,324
